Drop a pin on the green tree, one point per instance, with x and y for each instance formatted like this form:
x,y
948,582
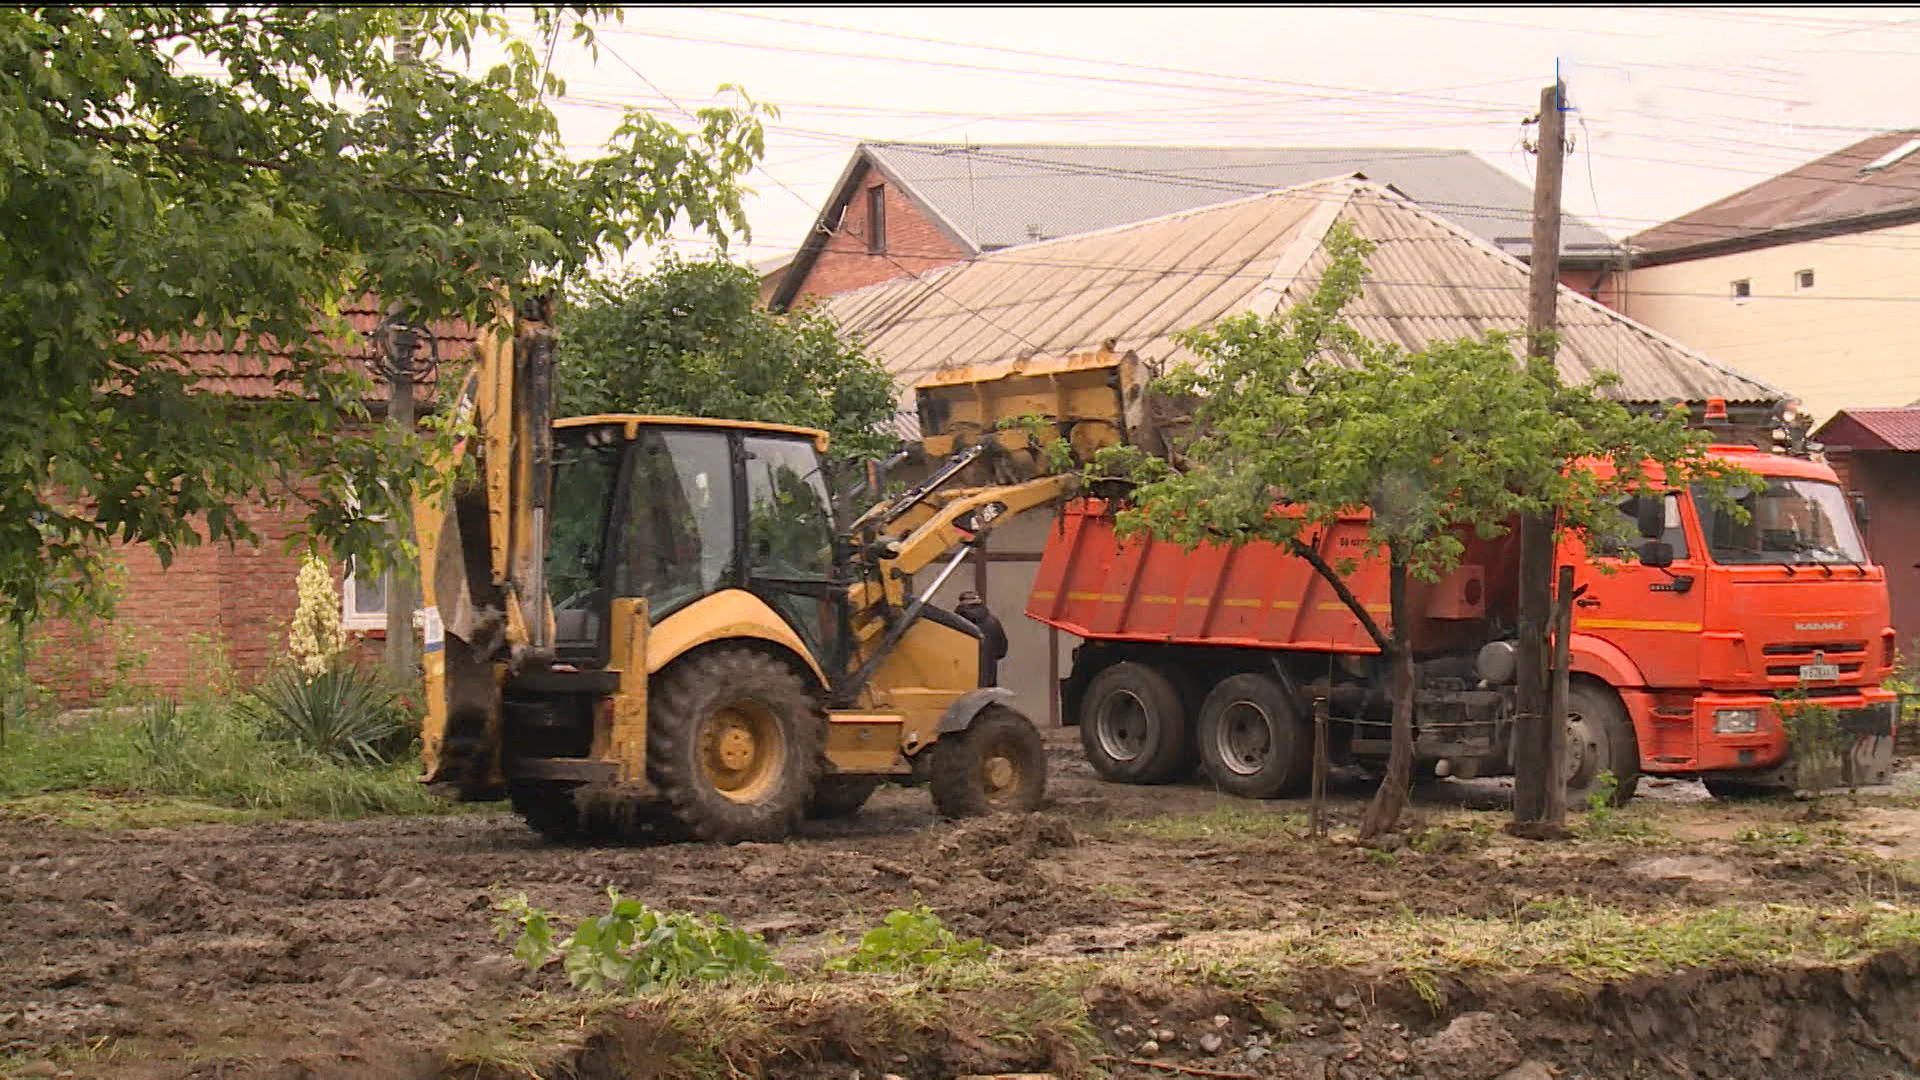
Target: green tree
x,y
195,176
690,339
1299,419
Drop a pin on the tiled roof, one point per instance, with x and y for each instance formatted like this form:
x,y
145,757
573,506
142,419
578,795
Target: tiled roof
x,y
1836,188
1135,287
1873,429
247,376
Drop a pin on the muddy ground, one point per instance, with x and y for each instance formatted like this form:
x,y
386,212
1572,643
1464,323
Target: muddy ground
x,y
367,948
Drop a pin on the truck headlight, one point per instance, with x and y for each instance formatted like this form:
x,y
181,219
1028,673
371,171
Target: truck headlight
x,y
1736,721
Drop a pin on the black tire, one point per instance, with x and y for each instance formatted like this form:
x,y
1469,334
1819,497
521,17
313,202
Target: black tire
x,y
841,796
734,745
1737,790
997,765
547,808
1253,740
1133,727
1599,738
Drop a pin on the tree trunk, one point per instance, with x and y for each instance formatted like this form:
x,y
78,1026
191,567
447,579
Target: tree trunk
x,y
1384,812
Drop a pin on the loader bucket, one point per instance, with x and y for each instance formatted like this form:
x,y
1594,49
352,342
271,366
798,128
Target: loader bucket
x,y
1092,400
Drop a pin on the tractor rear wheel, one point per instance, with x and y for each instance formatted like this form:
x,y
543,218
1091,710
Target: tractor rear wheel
x,y
734,745
997,765
1133,728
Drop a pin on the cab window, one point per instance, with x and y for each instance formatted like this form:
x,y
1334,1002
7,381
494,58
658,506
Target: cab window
x,y
1675,532
789,517
679,534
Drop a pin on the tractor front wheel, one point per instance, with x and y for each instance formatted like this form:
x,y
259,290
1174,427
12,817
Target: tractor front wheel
x,y
997,765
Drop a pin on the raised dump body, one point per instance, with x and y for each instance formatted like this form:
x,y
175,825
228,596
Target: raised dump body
x,y
1258,596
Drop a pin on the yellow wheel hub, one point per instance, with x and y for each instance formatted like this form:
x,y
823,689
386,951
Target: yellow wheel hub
x,y
1002,776
741,750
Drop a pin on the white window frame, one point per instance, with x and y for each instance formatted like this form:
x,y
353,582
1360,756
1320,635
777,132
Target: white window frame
x,y
351,617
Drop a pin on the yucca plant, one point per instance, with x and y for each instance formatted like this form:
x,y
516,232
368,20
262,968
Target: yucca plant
x,y
342,713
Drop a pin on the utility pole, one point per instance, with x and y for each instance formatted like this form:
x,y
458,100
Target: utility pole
x,y
1539,793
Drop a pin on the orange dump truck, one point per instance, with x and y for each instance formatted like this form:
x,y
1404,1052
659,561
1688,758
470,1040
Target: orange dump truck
x,y
1678,669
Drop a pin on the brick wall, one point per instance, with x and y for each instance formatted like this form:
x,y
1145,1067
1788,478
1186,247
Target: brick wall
x,y
914,244
170,622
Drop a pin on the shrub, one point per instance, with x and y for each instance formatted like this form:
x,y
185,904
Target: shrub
x,y
633,949
344,714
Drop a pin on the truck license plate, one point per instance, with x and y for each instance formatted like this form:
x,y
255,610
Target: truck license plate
x,y
1819,672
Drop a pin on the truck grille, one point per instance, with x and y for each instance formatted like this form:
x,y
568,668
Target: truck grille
x,y
1808,648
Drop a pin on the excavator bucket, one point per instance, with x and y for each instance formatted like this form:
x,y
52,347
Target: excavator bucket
x,y
1092,400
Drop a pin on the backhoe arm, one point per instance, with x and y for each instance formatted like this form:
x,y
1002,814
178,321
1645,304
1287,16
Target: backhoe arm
x,y
483,549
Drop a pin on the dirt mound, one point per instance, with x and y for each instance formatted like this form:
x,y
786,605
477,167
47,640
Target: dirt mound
x,y
1860,1021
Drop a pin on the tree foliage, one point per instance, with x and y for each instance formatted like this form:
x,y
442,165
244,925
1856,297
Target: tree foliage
x,y
230,179
689,339
1298,419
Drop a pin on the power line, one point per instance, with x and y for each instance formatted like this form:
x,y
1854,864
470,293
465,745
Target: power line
x,y
1130,65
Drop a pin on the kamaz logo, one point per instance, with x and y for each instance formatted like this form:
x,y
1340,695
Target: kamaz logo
x,y
1819,626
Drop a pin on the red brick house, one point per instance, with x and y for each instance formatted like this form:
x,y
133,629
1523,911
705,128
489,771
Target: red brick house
x,y
905,208
1877,453
236,600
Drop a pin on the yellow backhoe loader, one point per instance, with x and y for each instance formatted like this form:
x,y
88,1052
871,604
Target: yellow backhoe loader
x,y
653,622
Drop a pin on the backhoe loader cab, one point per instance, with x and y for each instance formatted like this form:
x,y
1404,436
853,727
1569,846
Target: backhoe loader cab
x,y
669,632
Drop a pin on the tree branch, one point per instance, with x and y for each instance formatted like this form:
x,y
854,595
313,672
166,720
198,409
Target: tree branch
x,y
1345,594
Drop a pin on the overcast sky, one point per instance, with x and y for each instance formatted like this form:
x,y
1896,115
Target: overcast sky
x,y
1675,107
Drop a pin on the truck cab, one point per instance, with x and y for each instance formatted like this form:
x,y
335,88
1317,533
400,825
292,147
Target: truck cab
x,y
1747,617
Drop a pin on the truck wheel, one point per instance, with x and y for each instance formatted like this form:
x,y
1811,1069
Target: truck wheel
x,y
1599,739
997,765
1732,790
841,796
734,745
1253,742
1132,726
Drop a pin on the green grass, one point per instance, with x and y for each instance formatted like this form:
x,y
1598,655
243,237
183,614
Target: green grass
x,y
198,762
1040,1008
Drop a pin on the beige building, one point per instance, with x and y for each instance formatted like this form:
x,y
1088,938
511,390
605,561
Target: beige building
x,y
1809,280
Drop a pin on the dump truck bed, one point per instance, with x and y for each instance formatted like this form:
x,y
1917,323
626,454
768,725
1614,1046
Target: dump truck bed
x,y
1097,586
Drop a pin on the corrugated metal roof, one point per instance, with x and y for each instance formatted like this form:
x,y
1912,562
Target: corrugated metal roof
x,y
222,371
1883,429
1135,287
1834,188
1001,195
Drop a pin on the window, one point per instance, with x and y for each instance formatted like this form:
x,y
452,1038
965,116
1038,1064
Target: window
x,y
1742,289
1803,279
877,219
679,533
1673,533
363,600
1791,522
789,519
583,484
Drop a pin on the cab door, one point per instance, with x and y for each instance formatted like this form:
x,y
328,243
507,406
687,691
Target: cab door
x,y
1655,616
789,542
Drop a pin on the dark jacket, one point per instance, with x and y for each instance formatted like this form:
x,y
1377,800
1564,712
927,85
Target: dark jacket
x,y
993,640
